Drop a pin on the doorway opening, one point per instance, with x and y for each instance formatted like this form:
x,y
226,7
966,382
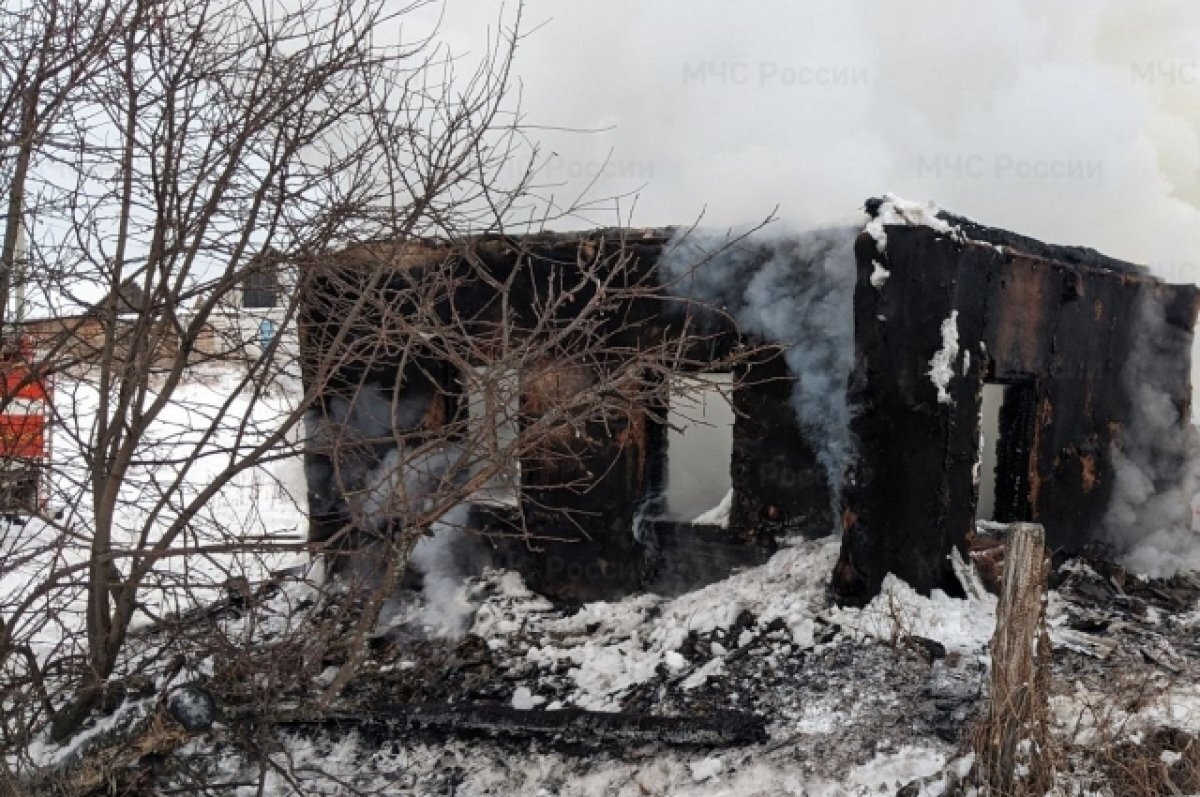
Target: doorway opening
x,y
1007,413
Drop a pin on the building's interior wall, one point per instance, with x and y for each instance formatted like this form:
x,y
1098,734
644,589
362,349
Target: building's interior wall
x,y
778,486
990,401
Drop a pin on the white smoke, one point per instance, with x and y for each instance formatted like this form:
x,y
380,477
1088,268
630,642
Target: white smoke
x,y
375,414
349,435
1069,122
390,488
446,558
1157,465
794,289
407,483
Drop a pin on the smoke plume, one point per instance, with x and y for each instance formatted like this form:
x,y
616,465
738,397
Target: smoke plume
x,y
1070,122
796,290
351,434
446,557
1157,465
406,484
387,487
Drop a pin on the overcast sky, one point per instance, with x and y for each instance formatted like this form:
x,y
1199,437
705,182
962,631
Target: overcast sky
x,y
1075,122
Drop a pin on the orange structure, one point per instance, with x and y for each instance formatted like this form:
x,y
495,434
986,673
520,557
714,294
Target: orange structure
x,y
24,443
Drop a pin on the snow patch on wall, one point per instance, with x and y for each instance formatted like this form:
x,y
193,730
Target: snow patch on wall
x,y
719,514
879,275
941,367
899,212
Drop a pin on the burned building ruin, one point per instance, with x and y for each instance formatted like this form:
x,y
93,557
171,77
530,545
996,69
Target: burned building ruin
x,y
892,383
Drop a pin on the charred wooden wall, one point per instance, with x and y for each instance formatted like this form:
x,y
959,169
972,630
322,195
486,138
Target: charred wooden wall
x,y
572,536
779,488
1057,322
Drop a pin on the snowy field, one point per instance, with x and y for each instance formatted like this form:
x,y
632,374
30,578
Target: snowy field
x,y
210,421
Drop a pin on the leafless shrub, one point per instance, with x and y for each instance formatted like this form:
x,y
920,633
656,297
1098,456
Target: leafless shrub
x,y
159,158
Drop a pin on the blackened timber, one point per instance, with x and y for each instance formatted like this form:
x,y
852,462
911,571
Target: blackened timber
x,y
779,488
572,537
567,728
1054,323
687,556
906,501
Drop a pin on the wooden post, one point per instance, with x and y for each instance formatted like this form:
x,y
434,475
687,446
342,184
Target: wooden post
x,y
1012,746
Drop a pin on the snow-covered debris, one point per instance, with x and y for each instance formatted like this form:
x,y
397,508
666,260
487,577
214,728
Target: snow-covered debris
x,y
899,611
941,367
605,651
864,701
128,715
896,211
524,700
1089,714
610,648
707,768
719,514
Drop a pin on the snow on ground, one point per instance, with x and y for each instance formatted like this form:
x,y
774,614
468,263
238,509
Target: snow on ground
x,y
851,708
1088,714
856,702
211,417
610,648
323,764
465,773
719,514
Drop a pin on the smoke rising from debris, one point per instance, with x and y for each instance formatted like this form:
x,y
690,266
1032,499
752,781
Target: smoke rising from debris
x,y
793,289
352,432
1157,465
446,558
387,486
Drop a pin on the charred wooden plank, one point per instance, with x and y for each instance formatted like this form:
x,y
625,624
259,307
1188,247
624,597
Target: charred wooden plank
x,y
569,727
1054,324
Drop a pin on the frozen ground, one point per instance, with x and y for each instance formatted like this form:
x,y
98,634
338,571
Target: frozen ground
x,y
879,700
